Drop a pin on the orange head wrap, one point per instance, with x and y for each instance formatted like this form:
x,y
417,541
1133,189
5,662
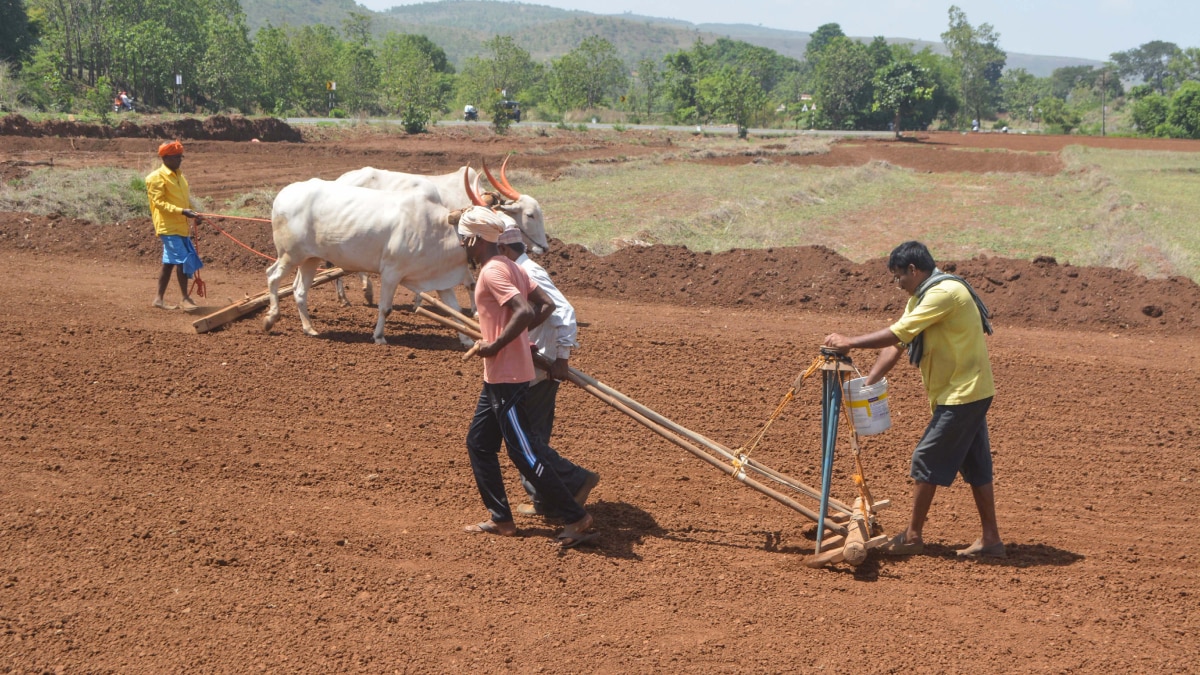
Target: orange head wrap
x,y
172,148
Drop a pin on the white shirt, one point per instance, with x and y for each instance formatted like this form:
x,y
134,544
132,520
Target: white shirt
x,y
556,336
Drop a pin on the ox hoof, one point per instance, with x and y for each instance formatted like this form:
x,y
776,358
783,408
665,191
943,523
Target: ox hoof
x,y
268,324
380,341
311,332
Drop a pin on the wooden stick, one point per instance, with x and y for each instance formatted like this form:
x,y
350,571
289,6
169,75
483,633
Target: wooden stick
x,y
739,475
449,323
437,302
648,418
471,352
240,309
712,445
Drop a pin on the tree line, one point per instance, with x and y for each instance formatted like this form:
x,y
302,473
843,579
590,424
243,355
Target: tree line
x,y
200,56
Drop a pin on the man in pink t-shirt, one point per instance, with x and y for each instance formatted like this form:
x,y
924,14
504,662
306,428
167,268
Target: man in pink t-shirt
x,y
509,303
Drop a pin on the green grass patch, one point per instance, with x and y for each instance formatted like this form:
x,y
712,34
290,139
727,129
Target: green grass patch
x,y
1149,210
100,195
709,207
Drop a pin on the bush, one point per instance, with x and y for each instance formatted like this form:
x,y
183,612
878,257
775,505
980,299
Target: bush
x,y
1184,114
416,119
501,116
338,114
1149,112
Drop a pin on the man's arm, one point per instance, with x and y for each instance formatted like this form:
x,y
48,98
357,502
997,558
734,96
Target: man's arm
x,y
543,306
877,340
888,358
157,191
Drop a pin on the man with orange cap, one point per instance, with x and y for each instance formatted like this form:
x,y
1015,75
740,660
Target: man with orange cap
x,y
170,207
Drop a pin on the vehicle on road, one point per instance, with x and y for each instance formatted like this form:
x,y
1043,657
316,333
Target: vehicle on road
x,y
513,108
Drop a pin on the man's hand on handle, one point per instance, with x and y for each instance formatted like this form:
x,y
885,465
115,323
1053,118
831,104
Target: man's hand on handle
x,y
837,342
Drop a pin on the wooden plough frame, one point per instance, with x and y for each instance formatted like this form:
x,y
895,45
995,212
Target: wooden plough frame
x,y
854,527
250,305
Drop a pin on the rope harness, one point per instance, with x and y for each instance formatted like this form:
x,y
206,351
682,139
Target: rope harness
x,y
835,391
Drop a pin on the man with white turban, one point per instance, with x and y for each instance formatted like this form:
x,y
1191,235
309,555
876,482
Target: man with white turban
x,y
509,302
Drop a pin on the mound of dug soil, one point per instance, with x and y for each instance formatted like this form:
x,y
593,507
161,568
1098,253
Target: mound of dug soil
x,y
1039,293
1035,293
215,128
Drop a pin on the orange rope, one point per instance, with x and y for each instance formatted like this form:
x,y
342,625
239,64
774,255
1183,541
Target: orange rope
x,y
233,238
218,215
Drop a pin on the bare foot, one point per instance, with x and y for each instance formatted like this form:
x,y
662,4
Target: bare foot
x,y
161,305
188,305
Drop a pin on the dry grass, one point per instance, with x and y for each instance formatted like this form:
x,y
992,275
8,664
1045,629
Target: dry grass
x,y
99,195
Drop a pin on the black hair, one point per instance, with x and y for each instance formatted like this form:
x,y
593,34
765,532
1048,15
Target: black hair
x,y
911,253
519,247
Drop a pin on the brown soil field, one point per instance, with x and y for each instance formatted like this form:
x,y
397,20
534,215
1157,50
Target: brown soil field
x,y
238,501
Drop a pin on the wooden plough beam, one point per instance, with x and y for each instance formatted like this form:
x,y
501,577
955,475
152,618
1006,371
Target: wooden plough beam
x,y
250,305
851,525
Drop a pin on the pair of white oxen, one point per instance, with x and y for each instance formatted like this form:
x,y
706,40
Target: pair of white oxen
x,y
394,224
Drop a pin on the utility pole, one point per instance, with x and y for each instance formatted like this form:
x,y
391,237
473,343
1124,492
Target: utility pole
x,y
1103,99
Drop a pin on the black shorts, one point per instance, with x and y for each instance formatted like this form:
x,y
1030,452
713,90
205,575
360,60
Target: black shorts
x,y
956,441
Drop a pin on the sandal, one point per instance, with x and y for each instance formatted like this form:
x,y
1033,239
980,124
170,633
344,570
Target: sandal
x,y
577,533
492,527
899,545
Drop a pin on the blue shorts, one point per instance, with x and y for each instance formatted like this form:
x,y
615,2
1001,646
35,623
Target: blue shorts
x,y
179,250
956,441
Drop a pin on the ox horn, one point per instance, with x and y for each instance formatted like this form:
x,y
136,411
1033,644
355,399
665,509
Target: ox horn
x,y
467,184
501,185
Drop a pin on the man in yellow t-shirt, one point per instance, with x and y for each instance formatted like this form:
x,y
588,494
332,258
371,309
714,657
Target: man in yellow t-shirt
x,y
170,207
943,328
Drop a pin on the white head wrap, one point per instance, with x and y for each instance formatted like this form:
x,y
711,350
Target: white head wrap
x,y
511,235
479,221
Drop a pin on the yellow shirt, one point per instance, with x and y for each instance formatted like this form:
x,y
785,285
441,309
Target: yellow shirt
x,y
955,366
169,196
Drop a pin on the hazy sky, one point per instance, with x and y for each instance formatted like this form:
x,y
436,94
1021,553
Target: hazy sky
x,y
1082,28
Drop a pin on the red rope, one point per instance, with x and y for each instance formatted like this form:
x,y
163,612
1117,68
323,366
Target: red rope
x,y
218,215
233,238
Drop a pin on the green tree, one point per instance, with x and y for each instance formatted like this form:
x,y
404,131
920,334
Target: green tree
x,y
1020,91
1058,115
899,88
228,66
734,95
682,79
17,33
278,68
587,75
410,81
820,39
1184,115
1150,112
1184,66
1149,62
980,62
504,69
649,82
318,50
843,83
358,71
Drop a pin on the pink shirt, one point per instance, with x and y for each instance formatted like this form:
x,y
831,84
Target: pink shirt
x,y
500,280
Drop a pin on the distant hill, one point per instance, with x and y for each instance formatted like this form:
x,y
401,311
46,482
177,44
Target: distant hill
x,y
461,26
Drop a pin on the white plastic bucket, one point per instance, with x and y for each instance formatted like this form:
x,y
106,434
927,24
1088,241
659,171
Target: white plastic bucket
x,y
868,406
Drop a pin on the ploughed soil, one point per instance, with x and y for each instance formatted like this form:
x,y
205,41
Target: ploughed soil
x,y
241,501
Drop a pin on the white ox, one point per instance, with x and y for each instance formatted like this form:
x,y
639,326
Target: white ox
x,y
404,237
452,187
